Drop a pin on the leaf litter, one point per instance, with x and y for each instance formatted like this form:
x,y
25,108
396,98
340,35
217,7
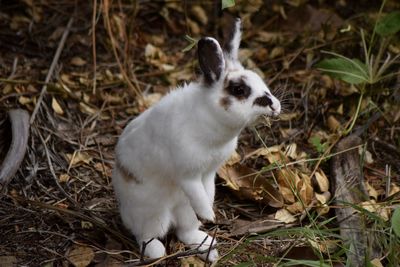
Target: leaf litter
x,y
270,182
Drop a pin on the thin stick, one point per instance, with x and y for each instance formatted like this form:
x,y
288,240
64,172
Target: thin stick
x,y
53,172
52,67
135,89
94,45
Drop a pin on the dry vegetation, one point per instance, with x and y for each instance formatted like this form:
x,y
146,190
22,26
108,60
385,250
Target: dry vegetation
x,y
116,58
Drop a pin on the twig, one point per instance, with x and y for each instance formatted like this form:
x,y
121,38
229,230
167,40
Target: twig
x,y
125,240
212,241
52,67
135,89
151,262
53,173
94,45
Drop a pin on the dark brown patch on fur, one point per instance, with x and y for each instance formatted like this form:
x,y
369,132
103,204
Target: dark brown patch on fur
x,y
126,174
263,101
238,88
225,102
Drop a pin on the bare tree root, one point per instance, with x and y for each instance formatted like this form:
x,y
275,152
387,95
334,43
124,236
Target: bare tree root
x,y
19,120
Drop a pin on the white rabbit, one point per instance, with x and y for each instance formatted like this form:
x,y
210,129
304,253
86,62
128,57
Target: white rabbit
x,y
167,157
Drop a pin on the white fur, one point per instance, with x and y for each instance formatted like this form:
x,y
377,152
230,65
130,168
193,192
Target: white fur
x,y
174,150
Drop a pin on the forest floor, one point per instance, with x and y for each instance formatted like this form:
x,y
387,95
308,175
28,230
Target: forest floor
x,y
120,57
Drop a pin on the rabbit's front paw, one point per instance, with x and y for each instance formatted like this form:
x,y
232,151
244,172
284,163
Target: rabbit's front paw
x,y
206,212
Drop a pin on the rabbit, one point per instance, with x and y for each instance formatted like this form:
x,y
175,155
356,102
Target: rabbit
x,y
167,157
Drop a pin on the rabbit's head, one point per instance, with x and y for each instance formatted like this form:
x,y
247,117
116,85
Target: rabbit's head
x,y
237,95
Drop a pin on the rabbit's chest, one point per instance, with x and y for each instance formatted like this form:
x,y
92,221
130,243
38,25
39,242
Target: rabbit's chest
x,y
211,158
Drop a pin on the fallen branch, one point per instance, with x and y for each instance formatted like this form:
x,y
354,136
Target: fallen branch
x,y
349,189
52,67
19,120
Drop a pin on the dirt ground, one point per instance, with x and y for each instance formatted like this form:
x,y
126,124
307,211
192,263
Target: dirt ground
x,y
118,58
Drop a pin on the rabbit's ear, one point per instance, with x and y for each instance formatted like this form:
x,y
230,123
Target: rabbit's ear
x,y
233,35
211,59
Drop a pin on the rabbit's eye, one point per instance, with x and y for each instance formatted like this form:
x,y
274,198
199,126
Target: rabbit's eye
x,y
240,91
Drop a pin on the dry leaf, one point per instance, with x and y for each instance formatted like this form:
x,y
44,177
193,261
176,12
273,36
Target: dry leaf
x,y
87,109
324,209
263,151
192,261
393,189
269,37
295,208
289,116
81,256
248,185
56,106
78,157
8,261
288,178
326,246
193,26
276,52
233,159
285,216
66,78
149,100
322,181
376,263
78,61
306,193
324,197
23,100
333,123
287,194
199,13
369,205
64,178
290,151
371,191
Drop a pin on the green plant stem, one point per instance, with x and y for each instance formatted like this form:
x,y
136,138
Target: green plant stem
x,y
374,31
347,131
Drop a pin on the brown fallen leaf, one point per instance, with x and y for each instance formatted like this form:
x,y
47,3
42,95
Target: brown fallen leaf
x,y
246,184
332,123
56,106
285,216
80,256
78,157
78,61
64,178
233,159
295,208
306,192
372,191
263,151
322,181
8,261
192,262
326,246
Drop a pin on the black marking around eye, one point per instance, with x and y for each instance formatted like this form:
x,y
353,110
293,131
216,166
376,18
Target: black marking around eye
x,y
263,101
238,88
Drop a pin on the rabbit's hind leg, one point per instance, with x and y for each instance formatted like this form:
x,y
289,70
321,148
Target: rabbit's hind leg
x,y
187,230
153,248
148,225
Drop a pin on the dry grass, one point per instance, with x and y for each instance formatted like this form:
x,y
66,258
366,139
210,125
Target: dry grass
x,y
62,198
